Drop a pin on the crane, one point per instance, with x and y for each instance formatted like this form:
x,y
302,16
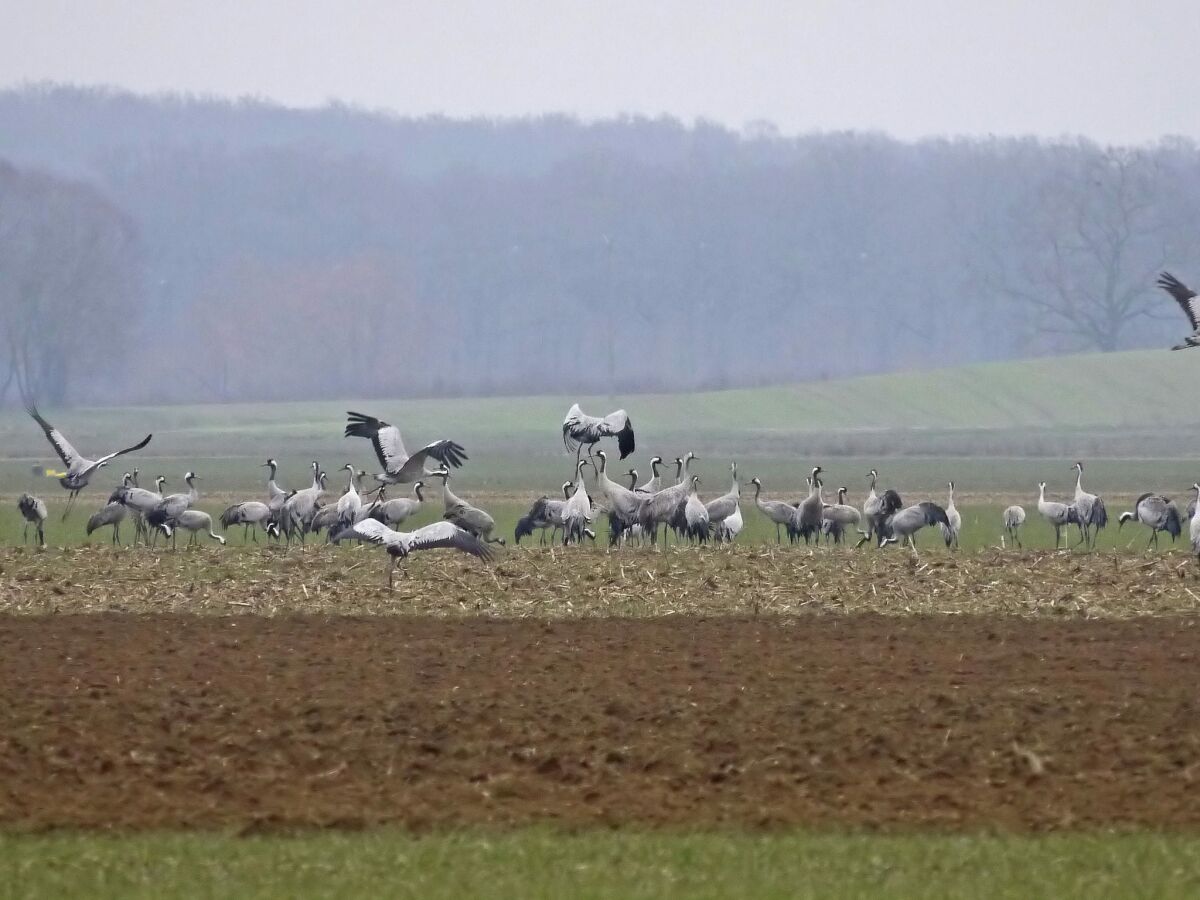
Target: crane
x,y
837,517
349,503
141,501
1186,298
1057,514
1014,518
1090,509
195,521
111,513
251,515
464,515
665,507
33,511
395,511
399,544
953,526
654,484
903,525
1156,512
79,469
580,430
725,505
695,514
398,466
167,510
810,512
577,511
623,504
776,510
299,507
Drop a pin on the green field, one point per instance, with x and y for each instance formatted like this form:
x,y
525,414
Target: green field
x,y
541,863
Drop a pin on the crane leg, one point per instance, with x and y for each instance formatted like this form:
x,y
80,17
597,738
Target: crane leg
x,y
41,534
70,503
1153,539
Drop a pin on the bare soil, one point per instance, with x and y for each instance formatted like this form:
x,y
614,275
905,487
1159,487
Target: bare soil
x,y
245,722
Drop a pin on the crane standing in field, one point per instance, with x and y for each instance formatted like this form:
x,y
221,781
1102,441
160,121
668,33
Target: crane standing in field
x,y
953,526
724,506
903,525
577,512
1014,518
33,511
1157,513
398,466
1057,514
1090,509
1188,302
467,517
580,430
113,512
695,514
194,521
168,509
837,517
79,469
777,511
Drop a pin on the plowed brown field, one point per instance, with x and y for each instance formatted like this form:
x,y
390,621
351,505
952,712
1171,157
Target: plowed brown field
x,y
130,721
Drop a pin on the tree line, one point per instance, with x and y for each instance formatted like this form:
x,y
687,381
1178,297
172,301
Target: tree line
x,y
177,249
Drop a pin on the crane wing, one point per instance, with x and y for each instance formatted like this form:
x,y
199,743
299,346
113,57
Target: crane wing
x,y
68,454
619,424
447,534
385,438
448,453
370,530
138,446
1184,296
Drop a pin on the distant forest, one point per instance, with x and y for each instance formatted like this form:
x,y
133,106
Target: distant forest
x,y
174,249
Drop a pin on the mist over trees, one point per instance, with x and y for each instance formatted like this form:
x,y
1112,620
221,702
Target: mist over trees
x,y
226,251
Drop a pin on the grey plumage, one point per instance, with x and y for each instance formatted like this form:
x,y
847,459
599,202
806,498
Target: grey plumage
x,y
469,518
665,507
112,513
580,430
194,521
398,466
395,511
903,525
1057,514
695,514
810,513
725,505
33,511
1091,511
776,510
1156,512
1014,518
79,469
251,515
399,544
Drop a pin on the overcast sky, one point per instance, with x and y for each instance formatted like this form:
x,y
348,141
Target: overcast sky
x,y
1115,70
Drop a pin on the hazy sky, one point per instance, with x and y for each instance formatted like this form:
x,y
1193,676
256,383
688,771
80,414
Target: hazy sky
x,y
1116,70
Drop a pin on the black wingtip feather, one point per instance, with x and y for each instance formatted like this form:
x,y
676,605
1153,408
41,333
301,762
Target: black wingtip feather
x,y
625,439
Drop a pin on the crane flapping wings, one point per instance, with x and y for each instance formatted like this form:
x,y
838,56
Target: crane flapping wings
x,y
389,447
580,428
1184,296
439,534
68,454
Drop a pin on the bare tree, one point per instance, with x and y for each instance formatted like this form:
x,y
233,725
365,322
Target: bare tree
x,y
68,284
1082,251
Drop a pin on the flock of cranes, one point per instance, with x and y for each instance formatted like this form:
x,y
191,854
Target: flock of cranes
x,y
635,513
